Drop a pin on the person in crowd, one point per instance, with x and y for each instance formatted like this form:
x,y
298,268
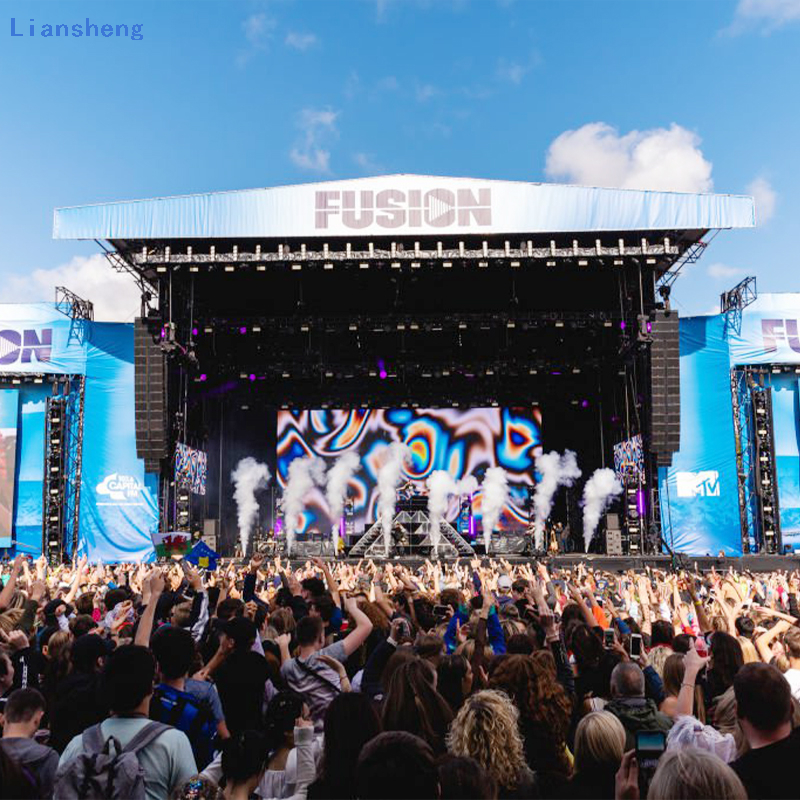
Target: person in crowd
x,y
463,778
487,729
764,708
412,704
544,711
397,765
454,679
599,748
726,659
350,722
241,676
22,718
314,670
629,705
791,644
688,774
191,706
127,685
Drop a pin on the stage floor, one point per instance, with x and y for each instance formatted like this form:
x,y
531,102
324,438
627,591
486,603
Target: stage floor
x,y
753,563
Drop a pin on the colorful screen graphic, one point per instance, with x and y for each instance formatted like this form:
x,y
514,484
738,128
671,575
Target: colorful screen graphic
x,y
629,458
191,467
463,442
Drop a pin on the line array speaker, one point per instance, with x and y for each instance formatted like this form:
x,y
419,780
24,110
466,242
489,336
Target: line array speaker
x,y
665,411
149,384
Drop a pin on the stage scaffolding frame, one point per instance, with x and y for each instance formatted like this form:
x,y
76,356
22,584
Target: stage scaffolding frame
x,y
756,468
63,467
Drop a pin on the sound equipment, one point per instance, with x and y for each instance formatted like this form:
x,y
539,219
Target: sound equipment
x,y
150,395
614,542
612,520
210,533
665,380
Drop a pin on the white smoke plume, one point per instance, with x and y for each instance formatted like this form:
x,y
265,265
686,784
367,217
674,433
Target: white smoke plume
x,y
441,485
304,474
599,491
495,495
555,471
248,477
336,491
389,477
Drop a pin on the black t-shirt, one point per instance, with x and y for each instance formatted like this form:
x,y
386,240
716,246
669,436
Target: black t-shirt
x,y
240,683
771,771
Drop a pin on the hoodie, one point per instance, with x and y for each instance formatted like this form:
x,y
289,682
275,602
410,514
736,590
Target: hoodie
x,y
39,760
637,714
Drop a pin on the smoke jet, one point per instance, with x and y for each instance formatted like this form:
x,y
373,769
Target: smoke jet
x,y
495,495
249,477
599,491
304,474
555,471
389,477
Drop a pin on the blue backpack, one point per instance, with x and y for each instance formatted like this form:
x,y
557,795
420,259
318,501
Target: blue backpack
x,y
183,711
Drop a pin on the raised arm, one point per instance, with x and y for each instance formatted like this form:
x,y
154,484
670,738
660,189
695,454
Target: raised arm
x,y
11,585
363,627
155,582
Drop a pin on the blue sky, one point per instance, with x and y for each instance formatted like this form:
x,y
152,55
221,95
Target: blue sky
x,y
685,94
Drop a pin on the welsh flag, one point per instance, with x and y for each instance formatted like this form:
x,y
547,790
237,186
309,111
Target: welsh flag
x,y
173,543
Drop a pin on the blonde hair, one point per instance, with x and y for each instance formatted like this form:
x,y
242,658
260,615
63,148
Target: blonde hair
x,y
748,650
10,618
694,774
487,729
599,739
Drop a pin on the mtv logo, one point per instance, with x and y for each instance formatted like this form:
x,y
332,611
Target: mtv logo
x,y
698,484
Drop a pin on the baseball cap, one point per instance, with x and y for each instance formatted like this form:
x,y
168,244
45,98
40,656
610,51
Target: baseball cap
x,y
504,582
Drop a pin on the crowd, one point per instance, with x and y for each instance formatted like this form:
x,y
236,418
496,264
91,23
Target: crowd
x,y
339,680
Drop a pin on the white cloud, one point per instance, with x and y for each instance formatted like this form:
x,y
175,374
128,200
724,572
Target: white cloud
x,y
667,159
316,126
387,84
367,163
258,32
115,294
425,92
511,72
765,197
300,41
721,271
764,14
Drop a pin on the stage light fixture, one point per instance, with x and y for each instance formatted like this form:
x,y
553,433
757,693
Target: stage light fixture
x,y
364,265
607,323
37,380
511,324
204,377
583,263
243,330
252,377
208,329
559,324
161,269
256,329
550,263
285,375
395,265
229,268
447,264
576,370
532,371
401,326
304,328
194,269
261,268
327,265
352,326
515,263
297,267
462,326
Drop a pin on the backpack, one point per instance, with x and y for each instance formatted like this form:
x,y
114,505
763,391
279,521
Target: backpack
x,y
105,769
183,711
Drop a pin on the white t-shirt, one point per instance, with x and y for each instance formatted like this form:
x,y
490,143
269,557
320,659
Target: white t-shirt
x,y
793,676
167,762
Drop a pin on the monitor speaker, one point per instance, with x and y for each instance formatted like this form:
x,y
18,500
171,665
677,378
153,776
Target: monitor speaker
x,y
613,542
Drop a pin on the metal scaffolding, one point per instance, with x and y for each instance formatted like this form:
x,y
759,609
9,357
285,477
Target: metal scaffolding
x,y
63,461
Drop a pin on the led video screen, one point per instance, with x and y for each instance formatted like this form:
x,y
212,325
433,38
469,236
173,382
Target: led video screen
x,y
461,441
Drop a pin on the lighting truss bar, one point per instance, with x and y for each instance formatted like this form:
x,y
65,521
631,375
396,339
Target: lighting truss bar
x,y
68,303
324,254
452,321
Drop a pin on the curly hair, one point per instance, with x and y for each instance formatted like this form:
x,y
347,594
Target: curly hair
x,y
487,729
544,707
375,614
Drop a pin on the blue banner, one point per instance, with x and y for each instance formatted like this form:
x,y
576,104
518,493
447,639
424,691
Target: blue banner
x,y
9,415
786,424
118,510
699,494
769,332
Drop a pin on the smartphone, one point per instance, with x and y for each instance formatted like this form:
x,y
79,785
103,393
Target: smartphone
x,y
608,638
636,645
441,611
405,629
476,582
650,745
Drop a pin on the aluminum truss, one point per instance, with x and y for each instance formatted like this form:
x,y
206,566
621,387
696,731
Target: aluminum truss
x,y
766,474
754,436
63,461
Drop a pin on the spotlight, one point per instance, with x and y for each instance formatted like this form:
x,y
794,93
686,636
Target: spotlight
x,y
584,404
204,377
243,329
252,377
194,331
